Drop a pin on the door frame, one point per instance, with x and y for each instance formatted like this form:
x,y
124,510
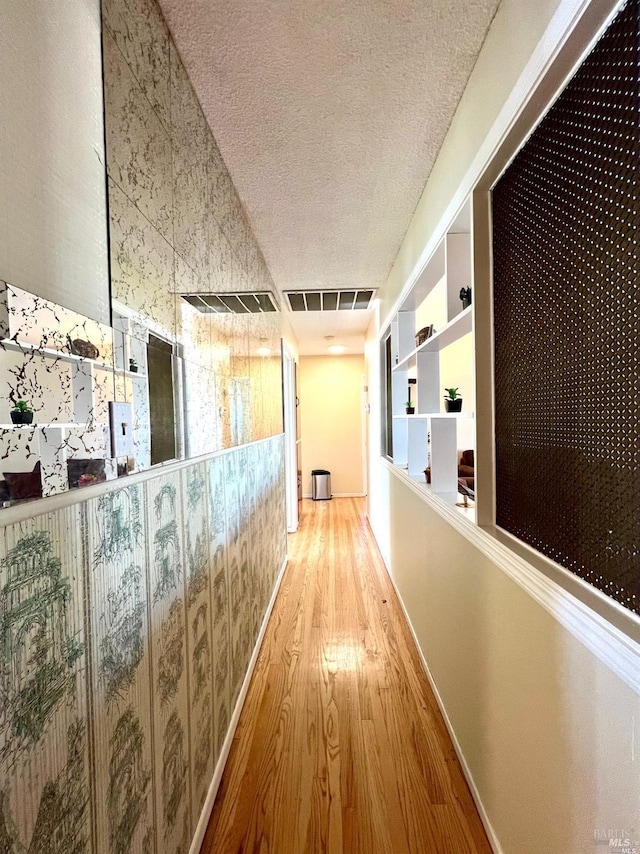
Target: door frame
x,y
290,437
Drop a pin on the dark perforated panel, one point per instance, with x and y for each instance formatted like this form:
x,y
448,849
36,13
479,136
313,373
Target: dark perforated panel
x,y
566,274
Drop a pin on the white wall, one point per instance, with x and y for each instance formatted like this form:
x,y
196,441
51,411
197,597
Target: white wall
x,y
517,29
548,731
53,222
330,391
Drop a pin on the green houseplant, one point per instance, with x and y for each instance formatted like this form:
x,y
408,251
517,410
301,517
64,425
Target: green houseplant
x,y
133,366
409,407
21,413
452,400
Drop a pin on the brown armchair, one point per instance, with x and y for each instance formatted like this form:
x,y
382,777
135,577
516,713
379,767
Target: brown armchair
x,y
466,469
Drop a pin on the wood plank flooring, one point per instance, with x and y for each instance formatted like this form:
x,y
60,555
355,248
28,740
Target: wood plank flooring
x,y
341,746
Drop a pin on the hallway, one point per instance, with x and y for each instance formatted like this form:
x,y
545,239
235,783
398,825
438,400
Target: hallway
x,y
341,746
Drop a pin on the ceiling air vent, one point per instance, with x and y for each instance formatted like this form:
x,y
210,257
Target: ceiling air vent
x,y
238,303
329,300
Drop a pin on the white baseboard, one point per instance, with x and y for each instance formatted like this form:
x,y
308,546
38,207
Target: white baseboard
x,y
341,495
484,818
205,815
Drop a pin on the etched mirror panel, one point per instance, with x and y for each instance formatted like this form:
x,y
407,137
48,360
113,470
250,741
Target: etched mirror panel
x,y
84,402
57,377
177,374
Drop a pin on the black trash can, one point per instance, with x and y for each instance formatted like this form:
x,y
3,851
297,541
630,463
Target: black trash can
x,y
321,485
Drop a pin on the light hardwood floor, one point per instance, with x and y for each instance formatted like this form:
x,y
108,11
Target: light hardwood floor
x,y
341,746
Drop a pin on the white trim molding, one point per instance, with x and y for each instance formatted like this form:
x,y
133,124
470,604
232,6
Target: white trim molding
x,y
610,645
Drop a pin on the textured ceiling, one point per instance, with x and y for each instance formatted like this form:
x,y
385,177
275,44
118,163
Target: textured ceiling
x,y
329,116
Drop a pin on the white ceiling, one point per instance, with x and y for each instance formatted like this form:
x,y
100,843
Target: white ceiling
x,y
346,327
329,115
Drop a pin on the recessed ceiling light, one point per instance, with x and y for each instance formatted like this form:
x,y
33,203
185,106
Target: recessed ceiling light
x,y
337,349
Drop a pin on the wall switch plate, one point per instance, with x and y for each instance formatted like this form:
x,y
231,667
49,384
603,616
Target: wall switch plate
x,y
121,422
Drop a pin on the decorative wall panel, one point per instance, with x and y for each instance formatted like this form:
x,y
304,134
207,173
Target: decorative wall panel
x,y
219,611
142,263
138,145
177,226
236,538
44,739
169,665
116,562
567,325
198,631
142,37
127,625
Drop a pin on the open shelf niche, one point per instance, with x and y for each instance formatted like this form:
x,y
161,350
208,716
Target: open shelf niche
x,y
72,392
431,436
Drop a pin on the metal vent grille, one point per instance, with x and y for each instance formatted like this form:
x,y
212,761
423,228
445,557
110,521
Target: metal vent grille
x,y
329,300
236,303
567,330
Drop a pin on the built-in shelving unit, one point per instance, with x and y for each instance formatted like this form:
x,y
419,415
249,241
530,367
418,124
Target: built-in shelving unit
x,y
431,437
454,330
36,342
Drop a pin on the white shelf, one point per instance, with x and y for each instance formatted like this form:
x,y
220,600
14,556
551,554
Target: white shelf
x,y
460,326
421,416
53,425
49,352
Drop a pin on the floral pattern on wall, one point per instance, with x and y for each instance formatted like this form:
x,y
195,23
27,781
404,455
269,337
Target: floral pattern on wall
x,y
127,623
121,689
44,747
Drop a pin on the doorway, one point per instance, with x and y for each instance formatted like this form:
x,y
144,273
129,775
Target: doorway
x,y
161,400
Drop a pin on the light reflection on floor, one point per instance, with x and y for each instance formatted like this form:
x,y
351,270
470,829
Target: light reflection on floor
x,y
345,656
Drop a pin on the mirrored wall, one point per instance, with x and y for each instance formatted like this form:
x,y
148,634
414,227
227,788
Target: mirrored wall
x,y
172,376
84,402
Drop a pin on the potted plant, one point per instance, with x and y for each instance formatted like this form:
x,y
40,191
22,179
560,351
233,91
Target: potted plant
x,y
452,401
133,366
409,407
21,413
